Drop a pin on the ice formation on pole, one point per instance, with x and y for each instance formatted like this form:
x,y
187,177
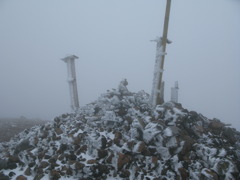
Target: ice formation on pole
x,y
158,85
158,89
70,60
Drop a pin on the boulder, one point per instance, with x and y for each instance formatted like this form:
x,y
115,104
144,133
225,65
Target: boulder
x,y
21,177
4,177
123,160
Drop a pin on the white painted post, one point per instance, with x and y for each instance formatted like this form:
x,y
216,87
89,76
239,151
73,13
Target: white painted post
x,y
174,93
70,60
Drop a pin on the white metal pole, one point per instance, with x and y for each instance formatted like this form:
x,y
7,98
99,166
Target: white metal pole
x,y
70,60
174,93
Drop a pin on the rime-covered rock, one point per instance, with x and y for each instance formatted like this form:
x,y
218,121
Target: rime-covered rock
x,y
120,136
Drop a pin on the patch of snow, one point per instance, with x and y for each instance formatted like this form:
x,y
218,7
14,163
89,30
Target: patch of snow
x,y
168,132
150,131
222,153
164,152
78,132
136,147
206,174
172,142
178,112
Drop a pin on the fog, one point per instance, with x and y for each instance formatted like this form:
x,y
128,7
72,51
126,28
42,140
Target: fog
x,y
112,40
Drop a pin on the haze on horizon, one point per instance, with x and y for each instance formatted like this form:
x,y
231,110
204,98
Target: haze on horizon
x,y
112,41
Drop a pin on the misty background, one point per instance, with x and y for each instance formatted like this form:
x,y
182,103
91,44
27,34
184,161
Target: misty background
x,y
112,40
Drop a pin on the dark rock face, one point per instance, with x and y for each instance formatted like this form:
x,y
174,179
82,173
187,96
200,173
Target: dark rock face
x,y
3,164
24,145
4,177
121,137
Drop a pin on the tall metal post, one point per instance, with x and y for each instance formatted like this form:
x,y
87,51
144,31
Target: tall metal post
x,y
157,96
174,93
70,60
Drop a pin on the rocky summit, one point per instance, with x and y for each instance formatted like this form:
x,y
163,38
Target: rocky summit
x,y
120,136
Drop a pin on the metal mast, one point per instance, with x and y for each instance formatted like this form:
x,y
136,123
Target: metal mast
x,y
158,85
70,60
174,93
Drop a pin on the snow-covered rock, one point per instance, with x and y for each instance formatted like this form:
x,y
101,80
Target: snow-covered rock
x,y
120,136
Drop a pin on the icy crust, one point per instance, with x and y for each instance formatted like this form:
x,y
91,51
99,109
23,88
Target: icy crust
x,y
120,136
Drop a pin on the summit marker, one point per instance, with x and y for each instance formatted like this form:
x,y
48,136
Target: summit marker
x,y
70,60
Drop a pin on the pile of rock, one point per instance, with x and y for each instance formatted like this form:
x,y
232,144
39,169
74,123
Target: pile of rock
x,y
120,136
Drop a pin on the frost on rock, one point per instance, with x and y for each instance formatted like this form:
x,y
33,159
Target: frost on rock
x,y
168,132
120,136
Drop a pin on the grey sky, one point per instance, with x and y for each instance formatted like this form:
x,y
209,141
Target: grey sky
x,y
112,40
